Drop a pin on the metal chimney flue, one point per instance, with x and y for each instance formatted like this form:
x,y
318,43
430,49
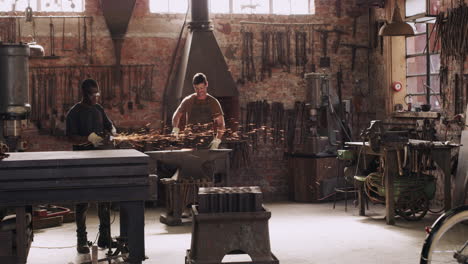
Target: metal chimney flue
x,y
200,16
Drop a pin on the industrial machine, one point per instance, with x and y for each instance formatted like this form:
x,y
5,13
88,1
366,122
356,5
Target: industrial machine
x,y
326,114
14,97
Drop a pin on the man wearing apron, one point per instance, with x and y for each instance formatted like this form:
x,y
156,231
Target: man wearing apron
x,y
200,108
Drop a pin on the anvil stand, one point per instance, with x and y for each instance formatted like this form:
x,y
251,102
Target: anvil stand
x,y
182,187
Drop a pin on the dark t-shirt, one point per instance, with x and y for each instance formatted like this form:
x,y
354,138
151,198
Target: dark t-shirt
x,y
200,111
84,119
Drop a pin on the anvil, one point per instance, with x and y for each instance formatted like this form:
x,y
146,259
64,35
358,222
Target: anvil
x,y
191,163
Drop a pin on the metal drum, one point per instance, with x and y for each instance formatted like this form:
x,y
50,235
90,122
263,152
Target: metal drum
x,y
14,81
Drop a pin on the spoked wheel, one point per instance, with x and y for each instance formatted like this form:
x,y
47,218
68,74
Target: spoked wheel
x,y
412,206
447,242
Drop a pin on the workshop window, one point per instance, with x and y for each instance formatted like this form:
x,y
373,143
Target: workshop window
x,y
279,7
422,66
42,5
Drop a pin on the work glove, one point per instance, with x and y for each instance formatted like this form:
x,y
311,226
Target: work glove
x,y
95,139
175,132
113,131
215,143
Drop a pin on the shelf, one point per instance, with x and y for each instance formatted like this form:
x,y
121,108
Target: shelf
x,y
416,115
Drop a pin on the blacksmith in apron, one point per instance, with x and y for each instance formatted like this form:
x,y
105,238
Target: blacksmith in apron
x,y
200,108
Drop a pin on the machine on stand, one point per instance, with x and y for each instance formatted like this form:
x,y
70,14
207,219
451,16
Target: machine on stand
x,y
14,95
315,171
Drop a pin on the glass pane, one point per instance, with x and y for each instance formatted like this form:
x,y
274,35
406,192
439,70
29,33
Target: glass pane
x,y
261,6
418,100
436,102
416,44
434,7
414,7
415,85
299,7
435,63
243,6
252,6
19,5
61,6
159,6
418,27
416,65
435,84
219,6
281,7
178,6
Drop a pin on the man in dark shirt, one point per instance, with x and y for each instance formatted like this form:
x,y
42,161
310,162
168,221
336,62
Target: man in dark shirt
x,y
200,108
87,123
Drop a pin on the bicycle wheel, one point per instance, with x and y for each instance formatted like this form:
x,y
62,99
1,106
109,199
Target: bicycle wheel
x,y
447,242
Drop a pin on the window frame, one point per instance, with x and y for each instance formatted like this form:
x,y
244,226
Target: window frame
x,y
231,9
428,74
39,8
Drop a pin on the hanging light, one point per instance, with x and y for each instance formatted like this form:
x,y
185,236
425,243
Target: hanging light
x,y
397,27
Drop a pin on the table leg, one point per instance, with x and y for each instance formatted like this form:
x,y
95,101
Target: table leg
x,y
391,169
442,158
362,199
21,250
133,214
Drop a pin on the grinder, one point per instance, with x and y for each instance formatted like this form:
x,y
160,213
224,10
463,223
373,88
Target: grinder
x,y
14,93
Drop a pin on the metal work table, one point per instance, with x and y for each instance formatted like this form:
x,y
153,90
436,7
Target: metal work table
x,y
440,153
31,178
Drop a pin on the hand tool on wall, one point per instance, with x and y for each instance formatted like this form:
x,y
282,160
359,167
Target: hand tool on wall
x,y
311,49
63,36
354,48
338,8
355,14
301,53
324,61
52,38
79,36
337,42
85,35
19,29
91,55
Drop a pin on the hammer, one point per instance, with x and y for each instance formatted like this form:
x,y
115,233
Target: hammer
x,y
337,42
354,13
354,48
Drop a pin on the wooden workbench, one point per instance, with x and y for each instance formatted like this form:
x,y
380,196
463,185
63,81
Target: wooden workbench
x,y
441,154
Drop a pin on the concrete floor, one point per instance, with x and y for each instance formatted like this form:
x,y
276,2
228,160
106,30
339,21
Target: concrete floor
x,y
299,234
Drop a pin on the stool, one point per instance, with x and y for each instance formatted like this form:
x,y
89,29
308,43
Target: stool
x,y
344,189
179,195
234,223
217,235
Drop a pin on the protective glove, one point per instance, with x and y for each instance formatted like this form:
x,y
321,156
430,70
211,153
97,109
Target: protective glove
x,y
215,143
175,132
95,139
113,131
